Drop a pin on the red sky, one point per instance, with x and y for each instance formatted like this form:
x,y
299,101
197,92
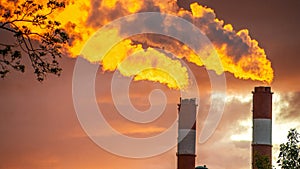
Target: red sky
x,y
39,127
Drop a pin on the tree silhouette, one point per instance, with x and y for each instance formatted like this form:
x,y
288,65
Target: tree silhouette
x,y
28,23
262,161
289,152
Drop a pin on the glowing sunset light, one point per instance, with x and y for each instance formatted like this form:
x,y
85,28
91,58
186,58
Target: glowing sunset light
x,y
128,68
248,63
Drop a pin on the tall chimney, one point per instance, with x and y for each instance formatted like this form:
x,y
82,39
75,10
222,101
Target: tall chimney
x,y
186,134
262,124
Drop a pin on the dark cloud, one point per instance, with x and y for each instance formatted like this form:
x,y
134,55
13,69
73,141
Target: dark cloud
x,y
290,107
100,15
149,6
275,24
237,46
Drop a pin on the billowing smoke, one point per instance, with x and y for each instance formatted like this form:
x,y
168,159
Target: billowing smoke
x,y
238,52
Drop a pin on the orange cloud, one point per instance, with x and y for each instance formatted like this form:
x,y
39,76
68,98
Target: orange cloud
x,y
239,53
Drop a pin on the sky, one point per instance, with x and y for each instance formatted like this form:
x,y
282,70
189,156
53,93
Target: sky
x,y
39,124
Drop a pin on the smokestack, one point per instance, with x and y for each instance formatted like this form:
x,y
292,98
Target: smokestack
x,y
186,134
262,124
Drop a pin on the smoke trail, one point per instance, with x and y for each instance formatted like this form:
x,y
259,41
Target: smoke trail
x,y
239,53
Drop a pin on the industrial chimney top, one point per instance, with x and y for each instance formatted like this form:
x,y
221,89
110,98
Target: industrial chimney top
x,y
262,89
188,101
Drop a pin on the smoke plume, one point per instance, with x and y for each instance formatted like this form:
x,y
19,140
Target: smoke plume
x,y
239,53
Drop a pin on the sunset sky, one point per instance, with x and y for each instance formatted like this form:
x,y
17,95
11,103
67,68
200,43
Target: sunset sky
x,y
39,127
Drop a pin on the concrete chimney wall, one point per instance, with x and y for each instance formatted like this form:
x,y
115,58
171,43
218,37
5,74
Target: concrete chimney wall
x,y
262,123
186,134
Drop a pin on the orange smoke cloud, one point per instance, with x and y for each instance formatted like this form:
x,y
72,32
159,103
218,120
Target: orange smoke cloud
x,y
71,20
239,53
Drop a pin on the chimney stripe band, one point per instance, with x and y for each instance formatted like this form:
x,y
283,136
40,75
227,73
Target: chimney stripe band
x,y
186,144
262,131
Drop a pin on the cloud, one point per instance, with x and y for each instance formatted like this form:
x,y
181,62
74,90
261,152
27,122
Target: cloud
x,y
288,106
237,110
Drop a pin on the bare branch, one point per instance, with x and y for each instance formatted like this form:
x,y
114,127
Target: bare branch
x,y
41,48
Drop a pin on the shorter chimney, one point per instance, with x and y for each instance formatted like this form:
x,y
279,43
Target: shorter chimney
x,y
186,134
262,124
